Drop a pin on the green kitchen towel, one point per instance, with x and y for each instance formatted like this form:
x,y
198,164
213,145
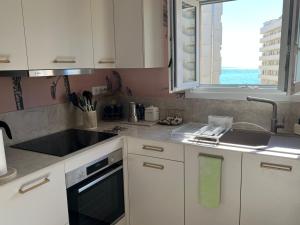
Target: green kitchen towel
x,y
210,172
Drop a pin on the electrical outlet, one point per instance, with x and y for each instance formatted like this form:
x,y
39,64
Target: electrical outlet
x,y
99,90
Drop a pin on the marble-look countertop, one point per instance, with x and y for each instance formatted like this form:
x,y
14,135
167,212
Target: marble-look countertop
x,y
27,162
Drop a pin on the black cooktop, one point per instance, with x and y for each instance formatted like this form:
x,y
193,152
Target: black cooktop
x,y
64,142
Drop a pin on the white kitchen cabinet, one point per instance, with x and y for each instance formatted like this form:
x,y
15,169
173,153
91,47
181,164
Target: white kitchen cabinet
x,y
58,34
12,39
156,191
39,198
270,190
228,211
139,33
103,33
157,149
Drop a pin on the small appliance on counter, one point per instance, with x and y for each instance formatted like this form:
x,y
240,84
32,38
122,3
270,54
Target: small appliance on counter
x,y
297,127
132,115
5,173
152,113
140,111
112,112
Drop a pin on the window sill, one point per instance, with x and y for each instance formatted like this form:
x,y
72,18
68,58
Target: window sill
x,y
241,94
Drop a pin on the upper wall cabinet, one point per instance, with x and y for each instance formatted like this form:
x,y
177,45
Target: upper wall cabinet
x,y
139,33
12,41
58,33
103,33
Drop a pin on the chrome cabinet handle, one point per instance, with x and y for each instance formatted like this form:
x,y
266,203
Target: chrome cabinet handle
x,y
64,61
153,166
153,148
276,166
4,61
24,190
107,61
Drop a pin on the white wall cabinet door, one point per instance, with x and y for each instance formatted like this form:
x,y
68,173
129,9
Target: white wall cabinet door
x,y
103,33
39,198
139,33
270,190
12,39
228,211
156,191
58,34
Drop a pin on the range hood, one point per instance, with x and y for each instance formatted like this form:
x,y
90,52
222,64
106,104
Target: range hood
x,y
46,73
60,72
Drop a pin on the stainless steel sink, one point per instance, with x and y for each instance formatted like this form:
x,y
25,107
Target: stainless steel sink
x,y
246,138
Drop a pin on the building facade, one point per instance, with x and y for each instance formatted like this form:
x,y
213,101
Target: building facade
x,y
270,51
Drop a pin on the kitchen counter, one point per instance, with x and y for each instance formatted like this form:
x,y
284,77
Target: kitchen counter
x,y
27,162
281,145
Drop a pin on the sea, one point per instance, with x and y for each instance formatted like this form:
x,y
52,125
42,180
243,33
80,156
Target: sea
x,y
240,76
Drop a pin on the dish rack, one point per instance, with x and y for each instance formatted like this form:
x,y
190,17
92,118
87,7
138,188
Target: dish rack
x,y
200,133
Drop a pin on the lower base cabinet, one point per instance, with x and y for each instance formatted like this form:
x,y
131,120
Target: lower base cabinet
x,y
156,191
229,208
270,190
37,199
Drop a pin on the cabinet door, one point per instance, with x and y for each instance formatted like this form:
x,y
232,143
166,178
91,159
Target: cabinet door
x,y
58,33
36,199
270,190
228,211
129,33
156,191
12,39
103,33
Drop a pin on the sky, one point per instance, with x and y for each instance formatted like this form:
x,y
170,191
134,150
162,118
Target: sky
x,y
241,21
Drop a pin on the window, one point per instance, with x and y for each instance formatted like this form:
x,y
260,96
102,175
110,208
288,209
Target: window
x,y
237,43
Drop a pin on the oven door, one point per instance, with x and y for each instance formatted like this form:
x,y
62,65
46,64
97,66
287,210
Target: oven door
x,y
99,199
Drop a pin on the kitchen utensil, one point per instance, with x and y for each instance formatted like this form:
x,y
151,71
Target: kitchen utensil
x,y
74,99
132,113
88,95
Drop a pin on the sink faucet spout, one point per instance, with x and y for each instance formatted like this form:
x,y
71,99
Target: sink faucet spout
x,y
274,119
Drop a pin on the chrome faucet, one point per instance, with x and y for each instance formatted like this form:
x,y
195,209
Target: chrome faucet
x,y
274,121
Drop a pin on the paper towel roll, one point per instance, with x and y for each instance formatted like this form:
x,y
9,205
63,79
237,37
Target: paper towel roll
x,y
3,166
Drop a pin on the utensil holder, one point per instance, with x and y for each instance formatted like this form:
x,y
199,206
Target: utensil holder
x,y
90,119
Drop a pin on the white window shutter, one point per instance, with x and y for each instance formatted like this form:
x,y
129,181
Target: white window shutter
x,y
203,2
294,65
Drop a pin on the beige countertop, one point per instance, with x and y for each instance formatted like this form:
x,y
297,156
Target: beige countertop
x,y
27,162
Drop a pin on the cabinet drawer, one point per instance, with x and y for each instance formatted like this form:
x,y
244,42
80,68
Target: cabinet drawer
x,y
156,149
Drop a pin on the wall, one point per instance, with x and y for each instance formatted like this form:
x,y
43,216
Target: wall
x,y
36,91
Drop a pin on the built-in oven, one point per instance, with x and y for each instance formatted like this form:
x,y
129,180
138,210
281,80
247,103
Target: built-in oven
x,y
96,192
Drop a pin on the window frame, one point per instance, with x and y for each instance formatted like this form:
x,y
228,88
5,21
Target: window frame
x,y
280,91
295,45
176,79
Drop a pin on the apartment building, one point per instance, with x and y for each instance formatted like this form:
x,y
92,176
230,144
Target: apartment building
x,y
271,35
